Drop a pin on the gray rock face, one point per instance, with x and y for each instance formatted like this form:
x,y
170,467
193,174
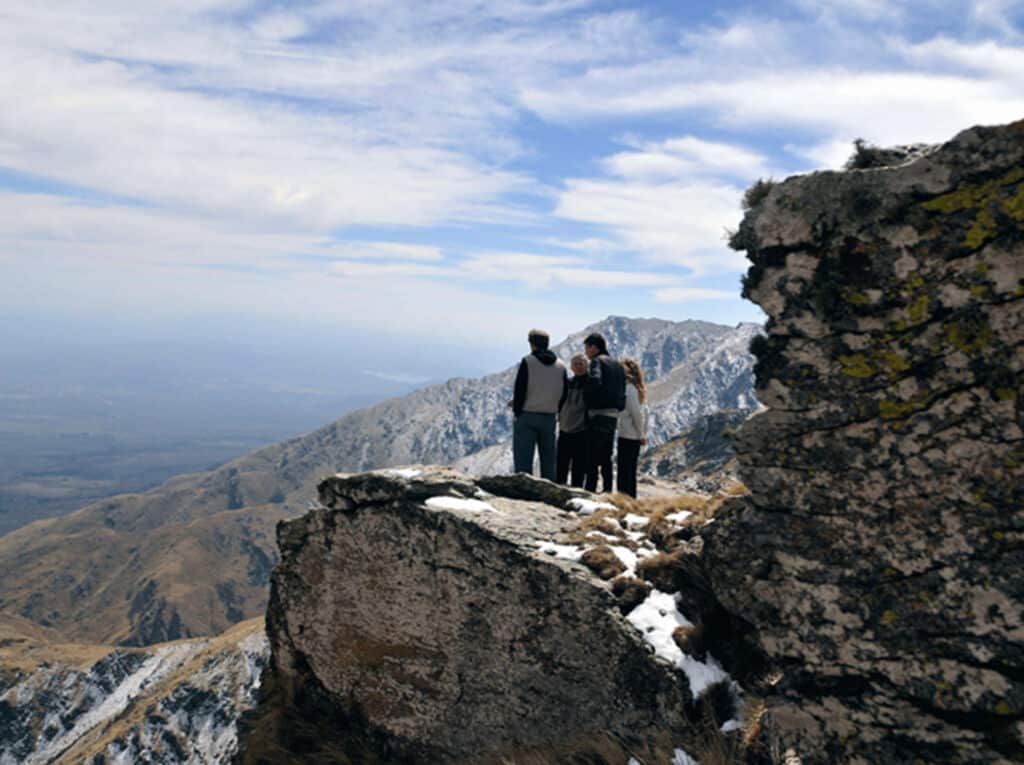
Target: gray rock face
x,y
883,543
424,612
703,457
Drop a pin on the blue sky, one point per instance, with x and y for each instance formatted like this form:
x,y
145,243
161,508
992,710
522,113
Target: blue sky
x,y
458,167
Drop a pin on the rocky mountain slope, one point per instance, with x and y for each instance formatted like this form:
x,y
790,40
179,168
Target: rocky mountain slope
x,y
194,556
167,704
883,541
702,458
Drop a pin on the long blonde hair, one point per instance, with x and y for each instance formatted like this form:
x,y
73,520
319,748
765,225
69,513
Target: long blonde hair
x,y
635,375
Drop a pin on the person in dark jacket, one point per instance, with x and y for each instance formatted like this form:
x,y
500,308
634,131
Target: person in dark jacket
x,y
540,388
605,395
572,426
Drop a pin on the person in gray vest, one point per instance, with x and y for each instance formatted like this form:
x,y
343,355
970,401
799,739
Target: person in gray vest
x,y
540,389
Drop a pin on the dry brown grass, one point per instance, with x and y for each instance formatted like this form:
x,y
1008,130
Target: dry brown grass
x,y
603,561
631,592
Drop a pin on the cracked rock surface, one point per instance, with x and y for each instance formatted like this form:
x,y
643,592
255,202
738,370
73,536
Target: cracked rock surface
x,y
883,544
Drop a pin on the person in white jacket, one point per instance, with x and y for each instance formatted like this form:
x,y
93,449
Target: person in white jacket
x,y
632,428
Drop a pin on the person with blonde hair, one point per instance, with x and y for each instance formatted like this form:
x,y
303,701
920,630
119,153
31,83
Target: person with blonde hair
x,y
632,428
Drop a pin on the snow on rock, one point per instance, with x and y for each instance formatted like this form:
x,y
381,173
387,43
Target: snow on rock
x,y
635,522
679,757
589,506
106,705
407,473
457,503
679,517
566,552
657,618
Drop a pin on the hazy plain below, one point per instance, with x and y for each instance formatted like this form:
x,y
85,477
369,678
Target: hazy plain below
x,y
89,410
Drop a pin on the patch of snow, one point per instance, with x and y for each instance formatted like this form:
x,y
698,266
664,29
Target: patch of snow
x,y
634,521
481,494
636,536
602,535
679,517
709,521
407,473
567,552
657,618
589,506
457,503
679,757
633,761
730,725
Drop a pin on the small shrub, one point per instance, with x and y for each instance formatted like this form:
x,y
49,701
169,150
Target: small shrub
x,y
757,193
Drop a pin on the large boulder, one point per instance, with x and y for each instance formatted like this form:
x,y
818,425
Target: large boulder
x,y
883,543
420,617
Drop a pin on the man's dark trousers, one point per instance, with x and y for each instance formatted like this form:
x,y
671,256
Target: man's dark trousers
x,y
532,429
600,444
572,454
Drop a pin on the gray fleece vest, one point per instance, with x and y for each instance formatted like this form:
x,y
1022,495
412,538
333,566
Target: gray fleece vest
x,y
543,386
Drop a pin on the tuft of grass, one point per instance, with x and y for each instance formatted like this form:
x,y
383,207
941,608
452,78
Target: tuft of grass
x,y
631,592
757,193
603,562
691,641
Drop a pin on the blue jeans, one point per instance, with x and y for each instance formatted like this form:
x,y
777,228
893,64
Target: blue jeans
x,y
530,430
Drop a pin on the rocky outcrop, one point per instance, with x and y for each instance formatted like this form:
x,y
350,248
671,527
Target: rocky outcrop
x,y
423,616
702,459
883,543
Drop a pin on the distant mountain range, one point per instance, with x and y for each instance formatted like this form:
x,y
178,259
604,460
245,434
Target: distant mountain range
x,y
193,557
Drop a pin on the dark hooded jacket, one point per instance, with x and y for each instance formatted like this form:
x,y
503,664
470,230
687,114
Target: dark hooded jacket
x,y
605,387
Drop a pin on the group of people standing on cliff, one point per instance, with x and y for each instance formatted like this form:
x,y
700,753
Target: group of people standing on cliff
x,y
597,397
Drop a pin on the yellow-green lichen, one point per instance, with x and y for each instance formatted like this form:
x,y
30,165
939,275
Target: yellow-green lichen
x,y
895,410
858,298
999,536
856,365
980,290
913,282
969,338
919,309
894,362
1006,394
1002,708
983,197
888,617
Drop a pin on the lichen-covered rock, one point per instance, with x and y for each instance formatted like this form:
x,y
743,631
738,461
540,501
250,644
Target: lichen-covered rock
x,y
883,544
419,617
